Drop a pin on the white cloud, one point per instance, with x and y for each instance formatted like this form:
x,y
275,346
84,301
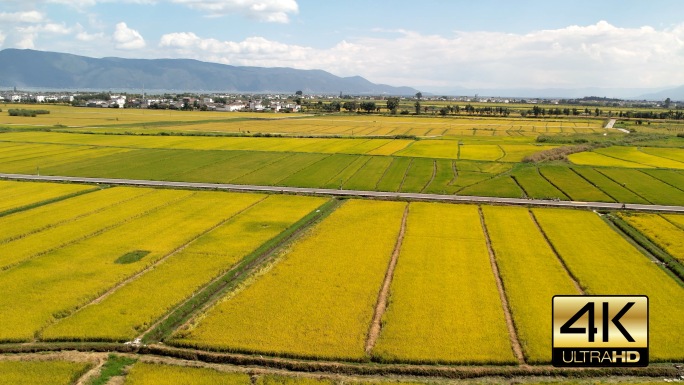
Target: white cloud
x,y
600,55
22,17
277,11
48,28
25,42
127,38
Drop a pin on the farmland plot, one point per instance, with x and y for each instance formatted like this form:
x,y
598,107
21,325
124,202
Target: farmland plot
x,y
573,185
369,175
35,242
394,175
133,308
535,185
662,232
604,263
329,281
633,154
68,278
444,284
646,186
518,246
21,194
157,374
41,372
609,186
591,158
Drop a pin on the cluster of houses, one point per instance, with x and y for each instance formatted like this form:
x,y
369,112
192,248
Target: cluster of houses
x,y
223,103
27,97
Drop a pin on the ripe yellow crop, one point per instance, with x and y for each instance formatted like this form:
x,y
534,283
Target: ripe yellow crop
x,y
53,285
33,235
662,232
133,308
605,263
158,374
41,372
531,275
19,194
318,300
444,304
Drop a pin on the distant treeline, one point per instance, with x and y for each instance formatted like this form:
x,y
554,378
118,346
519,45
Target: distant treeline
x,y
23,112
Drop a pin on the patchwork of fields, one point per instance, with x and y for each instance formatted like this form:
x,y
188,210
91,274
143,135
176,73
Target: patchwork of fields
x,y
311,281
64,269
430,166
107,120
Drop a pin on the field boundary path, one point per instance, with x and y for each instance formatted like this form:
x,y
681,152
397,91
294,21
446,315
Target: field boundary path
x,y
347,193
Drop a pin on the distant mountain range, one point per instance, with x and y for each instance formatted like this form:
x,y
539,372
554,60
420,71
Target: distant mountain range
x,y
60,71
52,70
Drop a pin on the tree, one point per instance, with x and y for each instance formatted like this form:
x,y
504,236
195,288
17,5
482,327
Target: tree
x,y
443,111
419,95
417,105
667,103
299,93
350,106
335,106
392,104
368,106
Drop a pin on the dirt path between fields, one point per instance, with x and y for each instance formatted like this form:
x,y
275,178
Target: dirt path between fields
x,y
383,296
512,331
555,252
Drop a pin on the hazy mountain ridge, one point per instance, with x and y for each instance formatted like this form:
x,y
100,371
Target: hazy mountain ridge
x,y
35,69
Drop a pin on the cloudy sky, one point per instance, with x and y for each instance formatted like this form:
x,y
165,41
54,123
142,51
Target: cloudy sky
x,y
433,45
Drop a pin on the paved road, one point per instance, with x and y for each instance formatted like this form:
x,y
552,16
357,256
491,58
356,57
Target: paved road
x,y
346,193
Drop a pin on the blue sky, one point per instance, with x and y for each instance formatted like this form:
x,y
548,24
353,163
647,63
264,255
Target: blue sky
x,y
434,45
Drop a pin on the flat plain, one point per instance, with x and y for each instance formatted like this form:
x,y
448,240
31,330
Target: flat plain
x,y
280,277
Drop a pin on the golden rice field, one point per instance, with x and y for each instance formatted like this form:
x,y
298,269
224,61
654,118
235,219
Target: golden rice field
x,y
41,372
76,117
632,157
605,263
532,258
319,300
662,230
113,144
17,195
443,284
253,219
64,269
156,121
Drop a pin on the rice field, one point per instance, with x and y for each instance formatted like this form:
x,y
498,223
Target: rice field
x,y
661,230
330,291
133,308
444,283
531,273
154,121
17,195
98,263
573,185
645,186
605,263
157,374
54,372
536,185
634,154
